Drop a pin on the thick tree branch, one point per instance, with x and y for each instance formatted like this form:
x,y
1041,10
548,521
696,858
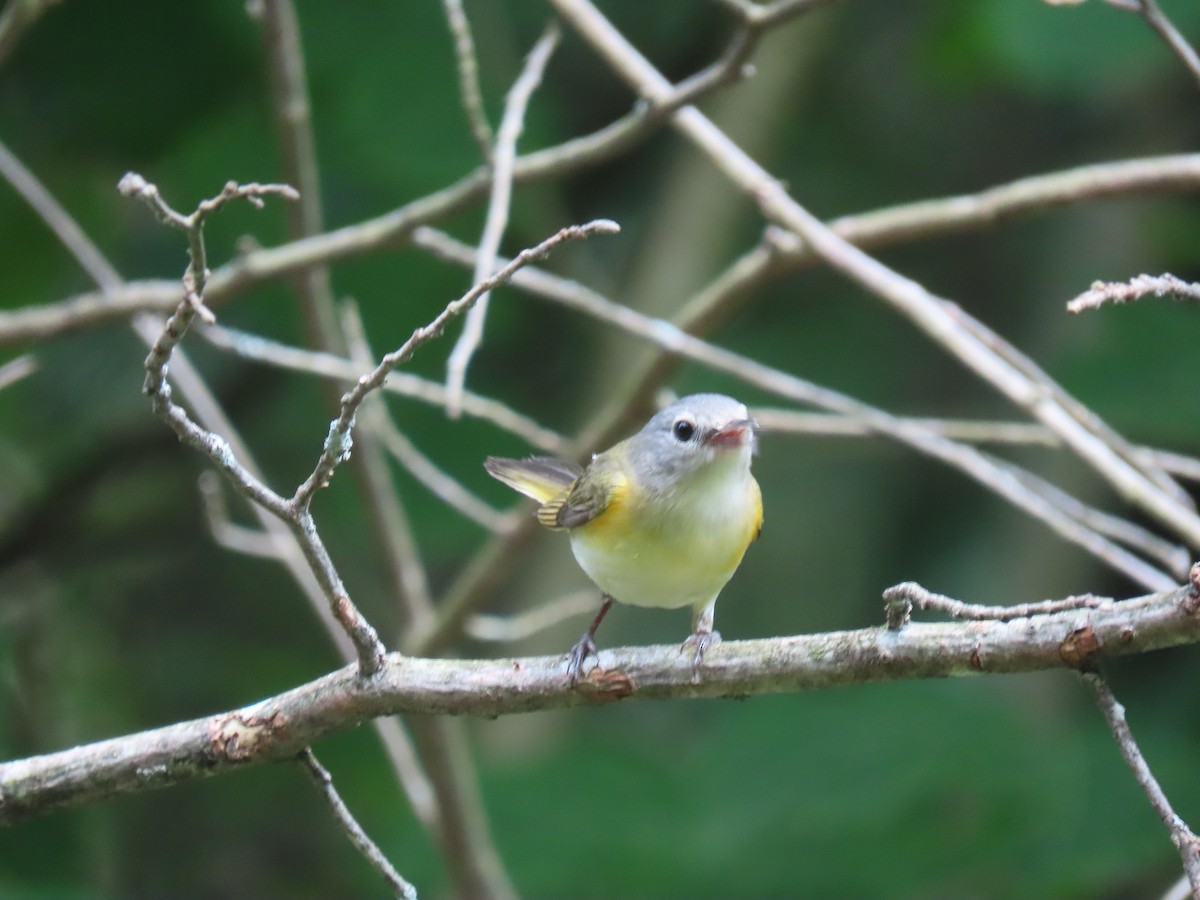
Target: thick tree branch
x,y
281,726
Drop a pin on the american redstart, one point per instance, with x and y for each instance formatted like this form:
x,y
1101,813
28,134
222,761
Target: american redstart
x,y
660,519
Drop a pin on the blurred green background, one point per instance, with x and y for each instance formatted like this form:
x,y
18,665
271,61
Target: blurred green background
x,y
118,613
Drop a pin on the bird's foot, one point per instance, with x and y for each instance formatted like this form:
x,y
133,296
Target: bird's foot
x,y
701,640
578,654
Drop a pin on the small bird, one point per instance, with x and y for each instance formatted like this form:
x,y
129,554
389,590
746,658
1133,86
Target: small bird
x,y
660,519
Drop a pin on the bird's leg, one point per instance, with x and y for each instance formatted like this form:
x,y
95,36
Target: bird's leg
x,y
703,636
586,645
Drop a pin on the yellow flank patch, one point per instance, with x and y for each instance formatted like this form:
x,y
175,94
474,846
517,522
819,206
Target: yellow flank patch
x,y
756,502
616,519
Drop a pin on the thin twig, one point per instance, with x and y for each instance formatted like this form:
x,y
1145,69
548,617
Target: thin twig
x,y
155,386
1173,556
16,369
465,836
468,76
763,15
504,155
509,629
337,443
389,518
1137,288
404,384
440,484
1183,837
226,532
971,431
16,17
349,825
298,154
900,599
64,226
1180,890
1154,16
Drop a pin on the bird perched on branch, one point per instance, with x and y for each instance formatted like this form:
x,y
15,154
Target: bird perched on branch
x,y
660,519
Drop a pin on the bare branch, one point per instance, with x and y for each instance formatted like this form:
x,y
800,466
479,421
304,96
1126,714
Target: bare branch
x,y
337,444
783,253
16,369
899,601
298,152
464,835
390,520
65,228
216,448
468,76
1137,288
210,444
1184,838
1180,890
503,159
971,431
227,533
508,629
439,483
346,821
763,15
16,17
1150,11
404,384
280,727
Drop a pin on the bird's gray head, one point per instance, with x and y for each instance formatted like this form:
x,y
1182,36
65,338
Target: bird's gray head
x,y
690,435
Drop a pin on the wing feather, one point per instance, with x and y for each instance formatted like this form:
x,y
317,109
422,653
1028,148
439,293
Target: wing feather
x,y
541,477
569,496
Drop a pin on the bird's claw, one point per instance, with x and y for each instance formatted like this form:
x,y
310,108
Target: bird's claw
x,y
701,640
577,655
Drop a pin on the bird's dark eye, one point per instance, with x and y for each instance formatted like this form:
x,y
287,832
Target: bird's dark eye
x,y
683,429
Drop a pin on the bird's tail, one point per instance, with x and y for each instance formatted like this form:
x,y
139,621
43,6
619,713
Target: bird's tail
x,y
541,477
